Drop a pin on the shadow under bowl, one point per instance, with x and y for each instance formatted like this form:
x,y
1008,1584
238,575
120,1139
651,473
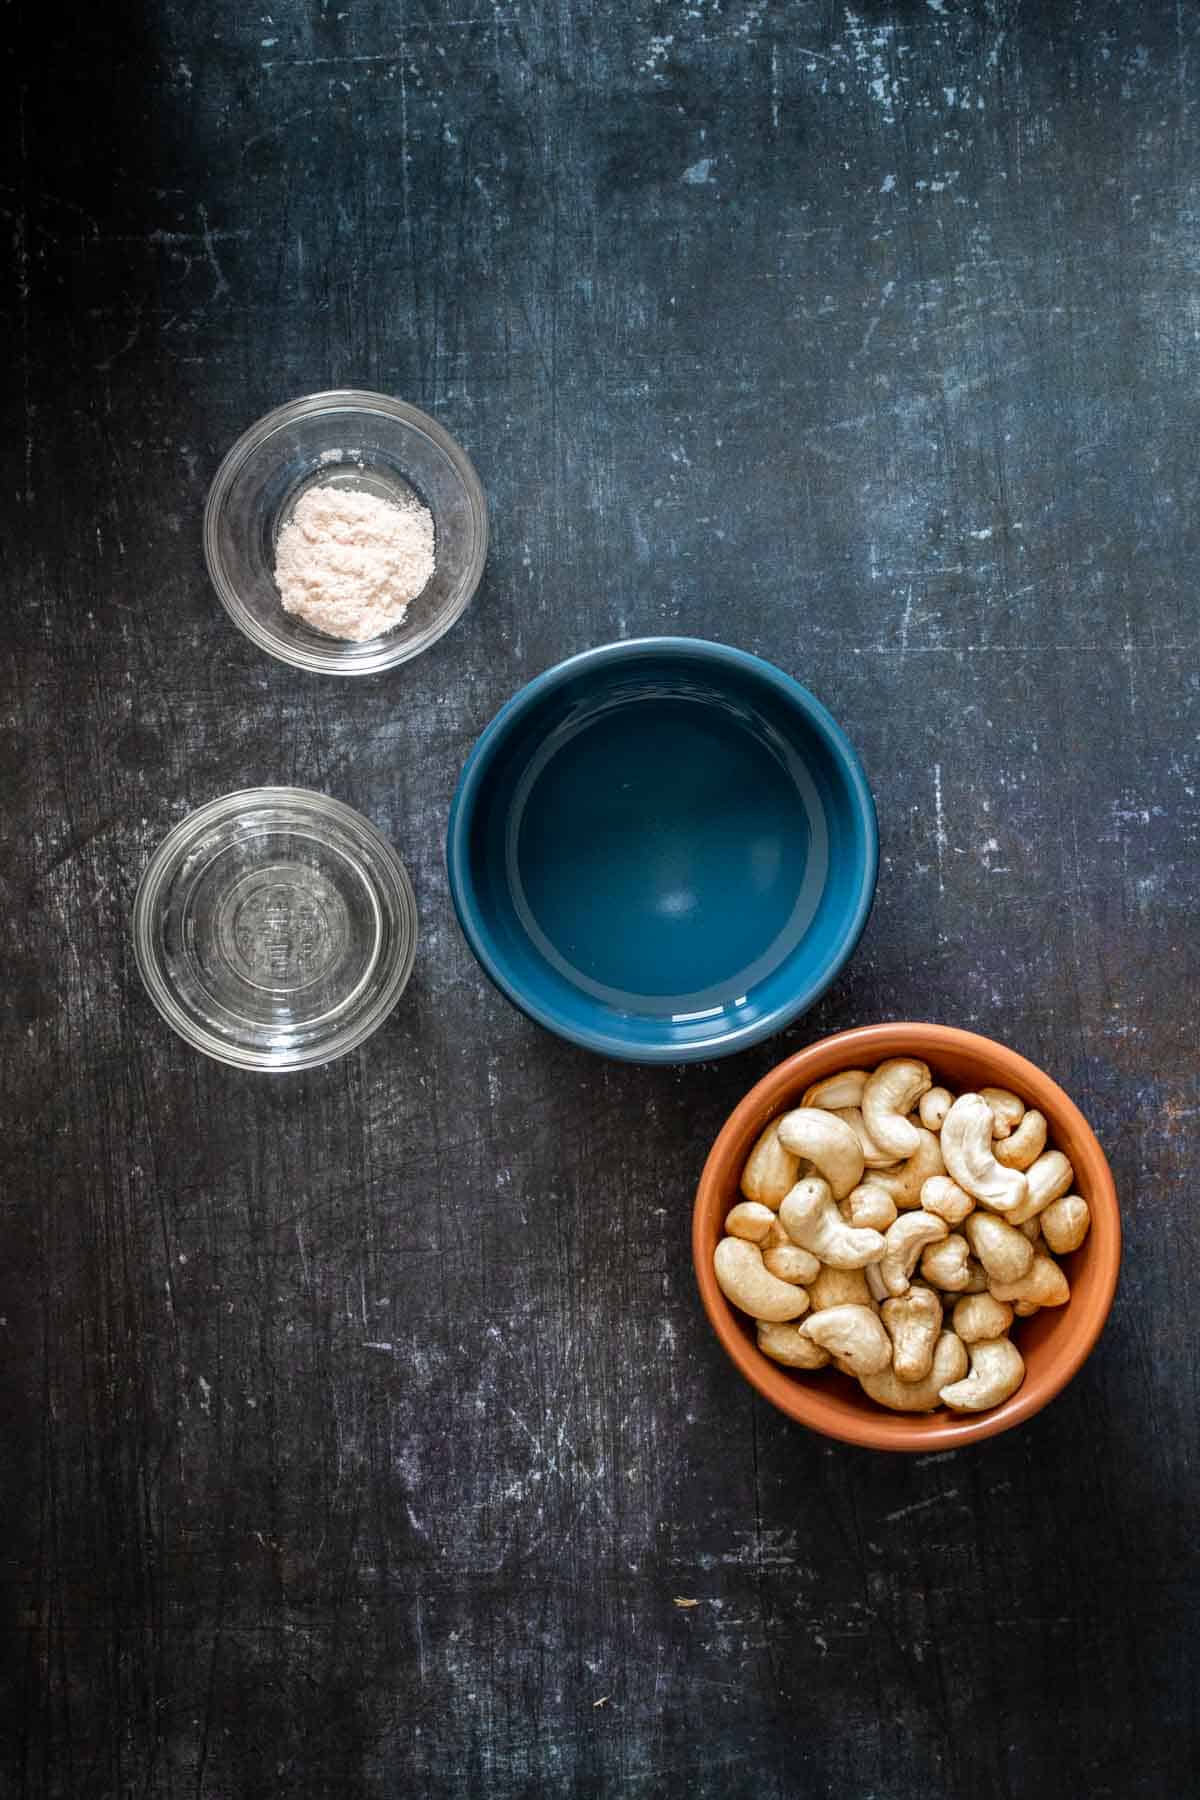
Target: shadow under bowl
x,y
663,850
1055,1342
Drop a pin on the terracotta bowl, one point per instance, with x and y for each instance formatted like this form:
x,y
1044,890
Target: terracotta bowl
x,y
1054,1342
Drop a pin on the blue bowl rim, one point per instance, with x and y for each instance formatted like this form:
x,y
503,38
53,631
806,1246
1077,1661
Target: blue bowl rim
x,y
466,794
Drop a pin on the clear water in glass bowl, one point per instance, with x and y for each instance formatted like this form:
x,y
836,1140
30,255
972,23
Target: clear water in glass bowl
x,y
275,928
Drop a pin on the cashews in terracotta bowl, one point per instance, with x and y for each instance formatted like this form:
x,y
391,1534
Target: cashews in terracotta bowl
x,y
924,1249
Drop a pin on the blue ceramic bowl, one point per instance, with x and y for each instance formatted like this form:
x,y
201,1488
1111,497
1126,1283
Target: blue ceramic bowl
x,y
663,850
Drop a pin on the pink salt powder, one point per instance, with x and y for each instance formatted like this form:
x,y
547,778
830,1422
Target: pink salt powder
x,y
348,563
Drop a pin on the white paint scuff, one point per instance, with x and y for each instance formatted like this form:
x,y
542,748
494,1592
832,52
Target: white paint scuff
x,y
940,837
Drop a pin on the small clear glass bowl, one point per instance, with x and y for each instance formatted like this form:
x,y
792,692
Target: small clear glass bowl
x,y
275,928
342,439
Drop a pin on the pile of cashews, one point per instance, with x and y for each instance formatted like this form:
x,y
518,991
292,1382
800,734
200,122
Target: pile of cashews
x,y
880,1202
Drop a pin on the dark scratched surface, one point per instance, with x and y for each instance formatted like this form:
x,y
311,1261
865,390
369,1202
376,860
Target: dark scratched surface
x,y
360,1431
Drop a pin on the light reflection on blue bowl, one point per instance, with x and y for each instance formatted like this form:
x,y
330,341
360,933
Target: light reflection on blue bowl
x,y
663,850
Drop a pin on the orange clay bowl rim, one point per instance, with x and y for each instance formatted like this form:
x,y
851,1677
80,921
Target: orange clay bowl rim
x,y
1056,1342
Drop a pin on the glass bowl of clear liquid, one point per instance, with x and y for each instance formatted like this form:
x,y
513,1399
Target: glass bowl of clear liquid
x,y
275,928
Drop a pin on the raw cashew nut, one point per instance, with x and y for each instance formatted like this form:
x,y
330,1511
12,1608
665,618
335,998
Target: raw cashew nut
x,y
949,1364
1026,1143
873,1156
979,1316
997,1371
1045,1285
967,1147
903,1243
1047,1179
777,1238
836,1091
1032,1229
749,1220
913,1322
1003,1251
905,1183
1065,1223
788,1262
787,1344
875,1282
812,1220
944,1197
770,1169
944,1265
1025,1309
746,1283
839,1287
1008,1109
828,1143
933,1107
870,1205
854,1336
976,1277
889,1096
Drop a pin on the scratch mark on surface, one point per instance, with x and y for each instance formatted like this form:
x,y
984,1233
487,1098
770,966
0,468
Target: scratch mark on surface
x,y
906,619
260,137
905,1512
221,286
1127,649
304,1269
338,62
889,288
102,368
979,649
939,826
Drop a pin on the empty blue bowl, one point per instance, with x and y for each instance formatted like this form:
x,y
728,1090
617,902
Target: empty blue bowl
x,y
663,850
